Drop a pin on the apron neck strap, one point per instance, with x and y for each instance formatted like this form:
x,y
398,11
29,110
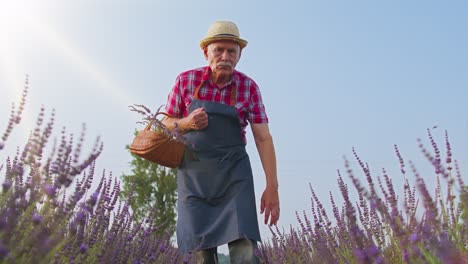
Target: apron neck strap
x,y
231,86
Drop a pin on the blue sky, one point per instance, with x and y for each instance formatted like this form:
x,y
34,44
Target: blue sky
x,y
333,75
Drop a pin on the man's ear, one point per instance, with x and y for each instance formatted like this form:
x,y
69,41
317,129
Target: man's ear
x,y
205,52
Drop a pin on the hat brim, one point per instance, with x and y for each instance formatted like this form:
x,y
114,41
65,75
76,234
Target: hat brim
x,y
206,41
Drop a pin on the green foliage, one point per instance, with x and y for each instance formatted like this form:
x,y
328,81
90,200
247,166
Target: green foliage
x,y
462,228
464,205
152,188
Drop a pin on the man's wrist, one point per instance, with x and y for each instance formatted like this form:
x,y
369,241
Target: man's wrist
x,y
182,124
272,186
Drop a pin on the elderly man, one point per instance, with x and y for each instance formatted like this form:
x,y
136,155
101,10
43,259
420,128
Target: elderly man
x,y
216,199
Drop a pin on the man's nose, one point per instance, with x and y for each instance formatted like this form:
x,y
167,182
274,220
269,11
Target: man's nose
x,y
225,55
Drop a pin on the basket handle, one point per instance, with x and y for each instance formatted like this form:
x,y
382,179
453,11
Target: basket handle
x,y
148,127
162,113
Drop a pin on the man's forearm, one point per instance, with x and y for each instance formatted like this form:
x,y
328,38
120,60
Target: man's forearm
x,y
170,123
196,120
266,151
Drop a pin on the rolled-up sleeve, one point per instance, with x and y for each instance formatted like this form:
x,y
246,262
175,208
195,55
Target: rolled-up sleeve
x,y
257,113
175,105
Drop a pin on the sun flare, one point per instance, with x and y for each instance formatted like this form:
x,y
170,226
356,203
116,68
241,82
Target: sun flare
x,y
15,20
24,25
14,16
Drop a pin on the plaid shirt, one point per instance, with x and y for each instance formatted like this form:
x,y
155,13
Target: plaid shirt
x,y
249,103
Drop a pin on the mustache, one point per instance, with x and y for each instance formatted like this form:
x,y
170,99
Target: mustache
x,y
224,64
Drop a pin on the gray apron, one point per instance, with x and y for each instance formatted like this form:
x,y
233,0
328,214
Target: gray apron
x,y
216,199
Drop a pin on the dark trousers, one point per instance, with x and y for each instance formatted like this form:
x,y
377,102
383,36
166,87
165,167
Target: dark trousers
x,y
241,251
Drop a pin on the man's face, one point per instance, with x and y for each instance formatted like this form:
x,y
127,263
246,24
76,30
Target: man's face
x,y
222,56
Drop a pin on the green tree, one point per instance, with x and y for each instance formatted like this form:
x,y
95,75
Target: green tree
x,y
152,187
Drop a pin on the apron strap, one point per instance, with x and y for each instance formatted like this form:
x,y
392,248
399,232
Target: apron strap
x,y
231,86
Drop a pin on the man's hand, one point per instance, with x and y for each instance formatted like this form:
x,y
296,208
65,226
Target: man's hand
x,y
270,205
197,119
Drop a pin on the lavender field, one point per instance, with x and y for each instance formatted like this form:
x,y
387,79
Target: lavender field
x,y
49,212
383,226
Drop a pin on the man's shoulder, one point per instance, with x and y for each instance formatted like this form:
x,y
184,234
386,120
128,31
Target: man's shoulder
x,y
243,78
192,73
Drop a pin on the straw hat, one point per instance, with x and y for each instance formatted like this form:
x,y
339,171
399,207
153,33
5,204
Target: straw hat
x,y
223,30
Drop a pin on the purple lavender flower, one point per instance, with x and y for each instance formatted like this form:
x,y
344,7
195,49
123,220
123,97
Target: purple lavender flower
x,y
83,248
405,256
3,224
36,219
4,252
360,255
374,203
6,185
93,199
73,228
49,189
80,217
18,169
372,251
187,258
379,260
2,145
417,251
162,248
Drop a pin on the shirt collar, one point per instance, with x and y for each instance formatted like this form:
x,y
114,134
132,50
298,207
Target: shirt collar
x,y
234,78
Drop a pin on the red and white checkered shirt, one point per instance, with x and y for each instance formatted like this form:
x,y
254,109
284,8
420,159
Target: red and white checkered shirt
x,y
249,104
